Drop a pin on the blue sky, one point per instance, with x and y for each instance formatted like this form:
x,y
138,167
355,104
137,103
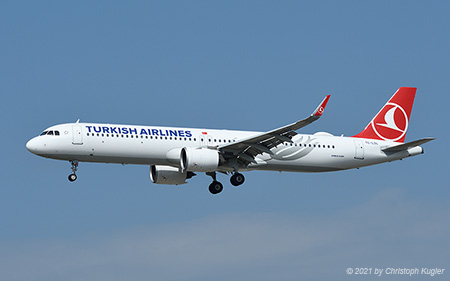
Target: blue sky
x,y
253,65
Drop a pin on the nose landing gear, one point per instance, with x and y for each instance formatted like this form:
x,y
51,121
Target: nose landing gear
x,y
73,176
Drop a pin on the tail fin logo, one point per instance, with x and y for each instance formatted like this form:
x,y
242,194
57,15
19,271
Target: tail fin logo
x,y
391,123
320,111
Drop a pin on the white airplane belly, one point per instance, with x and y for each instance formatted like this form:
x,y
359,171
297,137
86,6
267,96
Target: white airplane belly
x,y
129,151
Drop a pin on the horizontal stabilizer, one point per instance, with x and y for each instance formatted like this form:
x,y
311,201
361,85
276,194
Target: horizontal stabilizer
x,y
407,145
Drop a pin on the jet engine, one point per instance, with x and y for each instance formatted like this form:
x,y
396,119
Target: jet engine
x,y
169,175
199,159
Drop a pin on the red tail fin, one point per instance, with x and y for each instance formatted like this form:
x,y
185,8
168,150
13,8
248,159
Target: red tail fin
x,y
391,123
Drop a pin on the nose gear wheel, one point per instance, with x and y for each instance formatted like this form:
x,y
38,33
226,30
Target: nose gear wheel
x,y
73,177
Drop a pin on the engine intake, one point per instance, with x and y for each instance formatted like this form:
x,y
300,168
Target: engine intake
x,y
169,175
199,159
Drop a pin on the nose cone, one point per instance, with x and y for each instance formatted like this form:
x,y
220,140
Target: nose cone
x,y
32,146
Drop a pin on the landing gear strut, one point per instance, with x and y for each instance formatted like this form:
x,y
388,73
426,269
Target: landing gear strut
x,y
215,187
73,176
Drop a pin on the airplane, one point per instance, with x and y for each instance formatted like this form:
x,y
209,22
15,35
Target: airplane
x,y
177,154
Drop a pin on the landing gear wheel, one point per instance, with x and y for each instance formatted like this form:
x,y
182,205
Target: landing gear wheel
x,y
215,187
72,177
237,179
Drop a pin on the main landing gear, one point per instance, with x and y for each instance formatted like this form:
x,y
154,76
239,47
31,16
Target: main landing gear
x,y
73,176
237,179
216,187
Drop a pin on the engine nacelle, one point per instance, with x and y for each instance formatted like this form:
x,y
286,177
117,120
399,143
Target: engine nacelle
x,y
199,159
167,175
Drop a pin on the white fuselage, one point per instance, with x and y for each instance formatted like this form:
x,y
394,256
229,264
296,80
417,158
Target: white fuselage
x,y
151,145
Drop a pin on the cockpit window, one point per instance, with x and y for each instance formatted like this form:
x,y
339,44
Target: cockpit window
x,y
50,133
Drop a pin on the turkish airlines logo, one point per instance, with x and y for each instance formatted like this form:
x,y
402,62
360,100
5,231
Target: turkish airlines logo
x,y
320,110
391,123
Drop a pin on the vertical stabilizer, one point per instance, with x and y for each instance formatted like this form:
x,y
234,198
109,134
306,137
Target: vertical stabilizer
x,y
391,123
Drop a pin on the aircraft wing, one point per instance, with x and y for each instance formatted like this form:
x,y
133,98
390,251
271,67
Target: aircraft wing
x,y
246,149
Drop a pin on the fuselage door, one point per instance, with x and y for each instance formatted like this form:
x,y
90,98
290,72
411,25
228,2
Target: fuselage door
x,y
77,136
359,149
